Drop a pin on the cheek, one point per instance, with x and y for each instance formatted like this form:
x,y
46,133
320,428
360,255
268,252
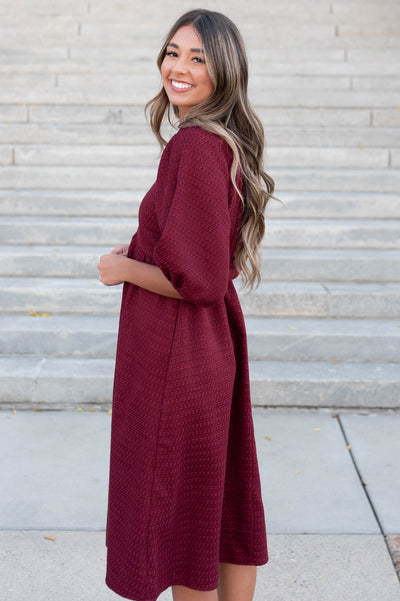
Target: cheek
x,y
164,68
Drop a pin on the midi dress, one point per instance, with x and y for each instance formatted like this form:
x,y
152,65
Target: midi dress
x,y
184,484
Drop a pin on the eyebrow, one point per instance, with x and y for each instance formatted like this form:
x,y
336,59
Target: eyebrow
x,y
191,49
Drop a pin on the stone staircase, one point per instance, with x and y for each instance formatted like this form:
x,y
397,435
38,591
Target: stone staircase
x,y
76,157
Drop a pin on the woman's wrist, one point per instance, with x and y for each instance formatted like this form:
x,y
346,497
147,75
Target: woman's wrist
x,y
126,266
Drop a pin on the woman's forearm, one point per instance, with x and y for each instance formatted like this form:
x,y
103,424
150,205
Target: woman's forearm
x,y
147,276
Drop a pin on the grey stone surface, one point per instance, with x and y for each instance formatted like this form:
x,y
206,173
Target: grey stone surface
x,y
96,94
76,152
11,112
58,295
369,83
325,205
44,133
375,444
56,261
301,567
112,133
148,155
283,53
308,480
386,118
66,230
70,203
395,158
281,233
55,383
96,203
371,54
54,469
59,335
297,205
68,382
348,567
120,156
325,265
95,177
339,180
283,264
274,339
89,296
323,339
325,384
54,461
322,117
328,299
367,299
313,233
78,177
123,114
5,156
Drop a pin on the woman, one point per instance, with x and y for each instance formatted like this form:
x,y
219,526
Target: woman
x,y
185,507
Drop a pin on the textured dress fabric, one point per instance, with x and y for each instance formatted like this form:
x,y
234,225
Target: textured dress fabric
x,y
184,488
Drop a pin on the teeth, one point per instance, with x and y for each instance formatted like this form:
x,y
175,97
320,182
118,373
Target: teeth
x,y
179,84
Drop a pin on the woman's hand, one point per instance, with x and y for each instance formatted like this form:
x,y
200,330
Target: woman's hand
x,y
110,268
116,269
120,249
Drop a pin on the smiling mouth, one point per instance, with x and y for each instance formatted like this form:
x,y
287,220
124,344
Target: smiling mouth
x,y
180,85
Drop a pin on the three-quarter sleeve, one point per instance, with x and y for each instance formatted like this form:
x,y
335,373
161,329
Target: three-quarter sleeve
x,y
194,248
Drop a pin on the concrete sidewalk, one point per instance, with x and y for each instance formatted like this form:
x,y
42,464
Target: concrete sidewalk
x,y
331,489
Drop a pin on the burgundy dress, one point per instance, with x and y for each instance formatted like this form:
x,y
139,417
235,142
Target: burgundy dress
x,y
184,490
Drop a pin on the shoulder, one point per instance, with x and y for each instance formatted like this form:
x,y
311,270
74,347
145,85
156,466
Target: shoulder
x,y
194,143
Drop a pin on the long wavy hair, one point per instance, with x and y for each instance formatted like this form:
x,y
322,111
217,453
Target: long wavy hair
x,y
228,113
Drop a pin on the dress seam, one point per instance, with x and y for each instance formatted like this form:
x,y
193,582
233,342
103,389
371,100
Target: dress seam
x,y
157,447
253,491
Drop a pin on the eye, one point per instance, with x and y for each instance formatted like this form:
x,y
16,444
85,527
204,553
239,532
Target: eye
x,y
171,53
197,59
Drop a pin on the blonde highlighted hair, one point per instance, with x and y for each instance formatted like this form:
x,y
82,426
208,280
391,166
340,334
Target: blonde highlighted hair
x,y
228,113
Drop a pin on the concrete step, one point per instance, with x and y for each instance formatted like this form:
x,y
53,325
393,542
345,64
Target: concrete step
x,y
286,233
67,383
118,18
85,203
270,116
308,339
329,299
306,299
324,384
127,54
299,54
77,177
148,156
112,133
279,66
150,81
114,178
141,91
125,203
261,36
272,339
325,205
357,265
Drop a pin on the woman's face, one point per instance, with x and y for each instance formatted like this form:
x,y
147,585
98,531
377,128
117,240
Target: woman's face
x,y
184,72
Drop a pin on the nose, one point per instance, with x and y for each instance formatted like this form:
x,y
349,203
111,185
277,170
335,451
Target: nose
x,y
180,65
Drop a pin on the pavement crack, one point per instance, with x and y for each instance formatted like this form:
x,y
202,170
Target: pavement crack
x,y
389,545
359,474
35,377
